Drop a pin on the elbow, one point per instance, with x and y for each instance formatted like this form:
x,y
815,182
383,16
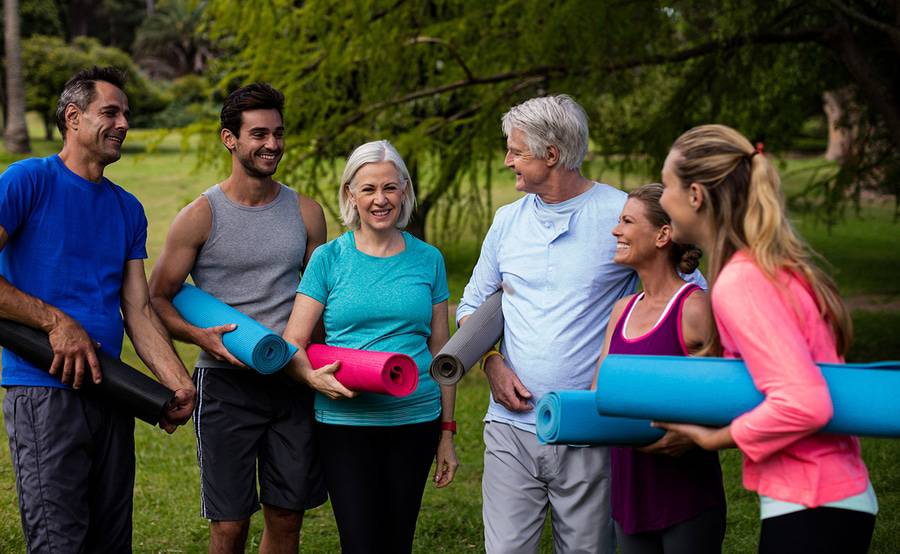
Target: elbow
x,y
816,412
822,414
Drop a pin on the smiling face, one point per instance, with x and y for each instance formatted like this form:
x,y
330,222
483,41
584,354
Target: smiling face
x,y
260,145
531,172
637,238
377,192
101,128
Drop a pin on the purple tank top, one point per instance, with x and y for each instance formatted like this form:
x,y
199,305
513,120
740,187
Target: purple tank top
x,y
654,491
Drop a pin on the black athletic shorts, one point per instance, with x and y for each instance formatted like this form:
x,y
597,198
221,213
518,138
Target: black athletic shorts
x,y
253,426
74,463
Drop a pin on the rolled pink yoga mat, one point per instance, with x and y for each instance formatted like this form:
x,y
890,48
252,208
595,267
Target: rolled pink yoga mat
x,y
368,371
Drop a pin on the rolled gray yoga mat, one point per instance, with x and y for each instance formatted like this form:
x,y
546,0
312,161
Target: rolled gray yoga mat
x,y
123,386
480,333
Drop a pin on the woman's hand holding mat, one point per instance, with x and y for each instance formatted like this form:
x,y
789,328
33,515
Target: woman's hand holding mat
x,y
367,370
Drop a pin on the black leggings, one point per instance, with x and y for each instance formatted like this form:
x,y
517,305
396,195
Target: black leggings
x,y
702,534
375,477
819,530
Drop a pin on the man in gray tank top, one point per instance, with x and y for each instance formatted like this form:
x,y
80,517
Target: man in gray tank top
x,y
245,241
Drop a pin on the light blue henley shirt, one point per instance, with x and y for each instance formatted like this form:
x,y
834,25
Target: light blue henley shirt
x,y
554,263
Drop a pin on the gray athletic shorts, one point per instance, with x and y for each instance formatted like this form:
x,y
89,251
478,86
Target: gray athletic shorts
x,y
74,464
253,426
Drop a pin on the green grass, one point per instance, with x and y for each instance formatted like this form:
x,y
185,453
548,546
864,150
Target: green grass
x,y
864,261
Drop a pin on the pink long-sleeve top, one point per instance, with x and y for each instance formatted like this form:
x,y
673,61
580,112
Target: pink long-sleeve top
x,y
776,328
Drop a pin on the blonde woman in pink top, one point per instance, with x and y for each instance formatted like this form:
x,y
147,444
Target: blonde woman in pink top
x,y
778,312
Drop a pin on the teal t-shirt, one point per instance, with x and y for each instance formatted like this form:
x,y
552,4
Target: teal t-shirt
x,y
381,304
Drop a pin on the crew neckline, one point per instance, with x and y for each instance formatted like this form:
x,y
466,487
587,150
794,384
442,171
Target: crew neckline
x,y
404,234
80,181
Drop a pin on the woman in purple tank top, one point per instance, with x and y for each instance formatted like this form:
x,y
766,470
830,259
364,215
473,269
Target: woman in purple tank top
x,y
668,496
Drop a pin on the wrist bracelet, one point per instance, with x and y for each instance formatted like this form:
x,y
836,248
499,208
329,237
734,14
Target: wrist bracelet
x,y
449,426
488,354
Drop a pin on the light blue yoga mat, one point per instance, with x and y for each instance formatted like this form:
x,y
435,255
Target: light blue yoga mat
x,y
570,417
714,391
251,343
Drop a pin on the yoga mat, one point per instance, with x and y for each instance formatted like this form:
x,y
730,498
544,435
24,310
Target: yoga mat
x,y
480,333
367,370
251,343
570,417
122,385
714,391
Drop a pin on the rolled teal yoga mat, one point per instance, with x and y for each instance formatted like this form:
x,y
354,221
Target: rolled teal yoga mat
x,y
714,391
570,417
251,342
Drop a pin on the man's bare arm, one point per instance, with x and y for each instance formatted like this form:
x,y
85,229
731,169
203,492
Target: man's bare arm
x,y
316,230
154,346
187,234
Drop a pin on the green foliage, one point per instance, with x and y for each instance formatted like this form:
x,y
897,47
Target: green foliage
x,y
41,17
51,62
171,42
187,101
435,77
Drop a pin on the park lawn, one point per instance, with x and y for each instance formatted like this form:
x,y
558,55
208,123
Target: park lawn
x,y
166,514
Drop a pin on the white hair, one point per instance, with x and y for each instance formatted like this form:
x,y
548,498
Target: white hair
x,y
374,152
551,120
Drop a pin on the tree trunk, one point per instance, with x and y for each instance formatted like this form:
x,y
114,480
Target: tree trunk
x,y
16,134
416,225
80,14
841,124
49,125
874,86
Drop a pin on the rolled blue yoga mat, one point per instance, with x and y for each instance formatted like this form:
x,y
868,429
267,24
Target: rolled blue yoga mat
x,y
714,391
251,343
570,417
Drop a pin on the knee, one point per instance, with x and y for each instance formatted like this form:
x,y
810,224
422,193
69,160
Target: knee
x,y
229,530
281,520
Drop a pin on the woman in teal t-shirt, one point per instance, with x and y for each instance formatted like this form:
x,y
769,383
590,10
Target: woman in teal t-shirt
x,y
379,288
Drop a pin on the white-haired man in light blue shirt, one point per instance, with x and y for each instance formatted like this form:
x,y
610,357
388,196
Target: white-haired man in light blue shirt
x,y
551,252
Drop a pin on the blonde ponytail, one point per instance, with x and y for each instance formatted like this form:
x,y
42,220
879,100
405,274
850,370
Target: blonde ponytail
x,y
747,209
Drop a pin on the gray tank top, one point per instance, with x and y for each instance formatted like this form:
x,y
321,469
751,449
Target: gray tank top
x,y
252,259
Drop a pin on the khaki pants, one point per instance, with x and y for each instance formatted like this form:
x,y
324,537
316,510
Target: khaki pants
x,y
522,478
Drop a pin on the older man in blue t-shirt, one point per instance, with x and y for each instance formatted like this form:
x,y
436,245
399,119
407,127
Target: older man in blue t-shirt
x,y
72,249
551,252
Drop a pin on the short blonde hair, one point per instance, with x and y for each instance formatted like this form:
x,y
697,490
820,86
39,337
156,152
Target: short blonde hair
x,y
374,152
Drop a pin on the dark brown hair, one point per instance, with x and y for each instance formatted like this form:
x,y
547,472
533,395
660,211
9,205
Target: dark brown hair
x,y
257,96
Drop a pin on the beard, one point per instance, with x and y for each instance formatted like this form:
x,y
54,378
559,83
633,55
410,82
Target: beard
x,y
248,162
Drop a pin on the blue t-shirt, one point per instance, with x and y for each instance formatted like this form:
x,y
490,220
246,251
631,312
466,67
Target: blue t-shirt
x,y
69,241
381,304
